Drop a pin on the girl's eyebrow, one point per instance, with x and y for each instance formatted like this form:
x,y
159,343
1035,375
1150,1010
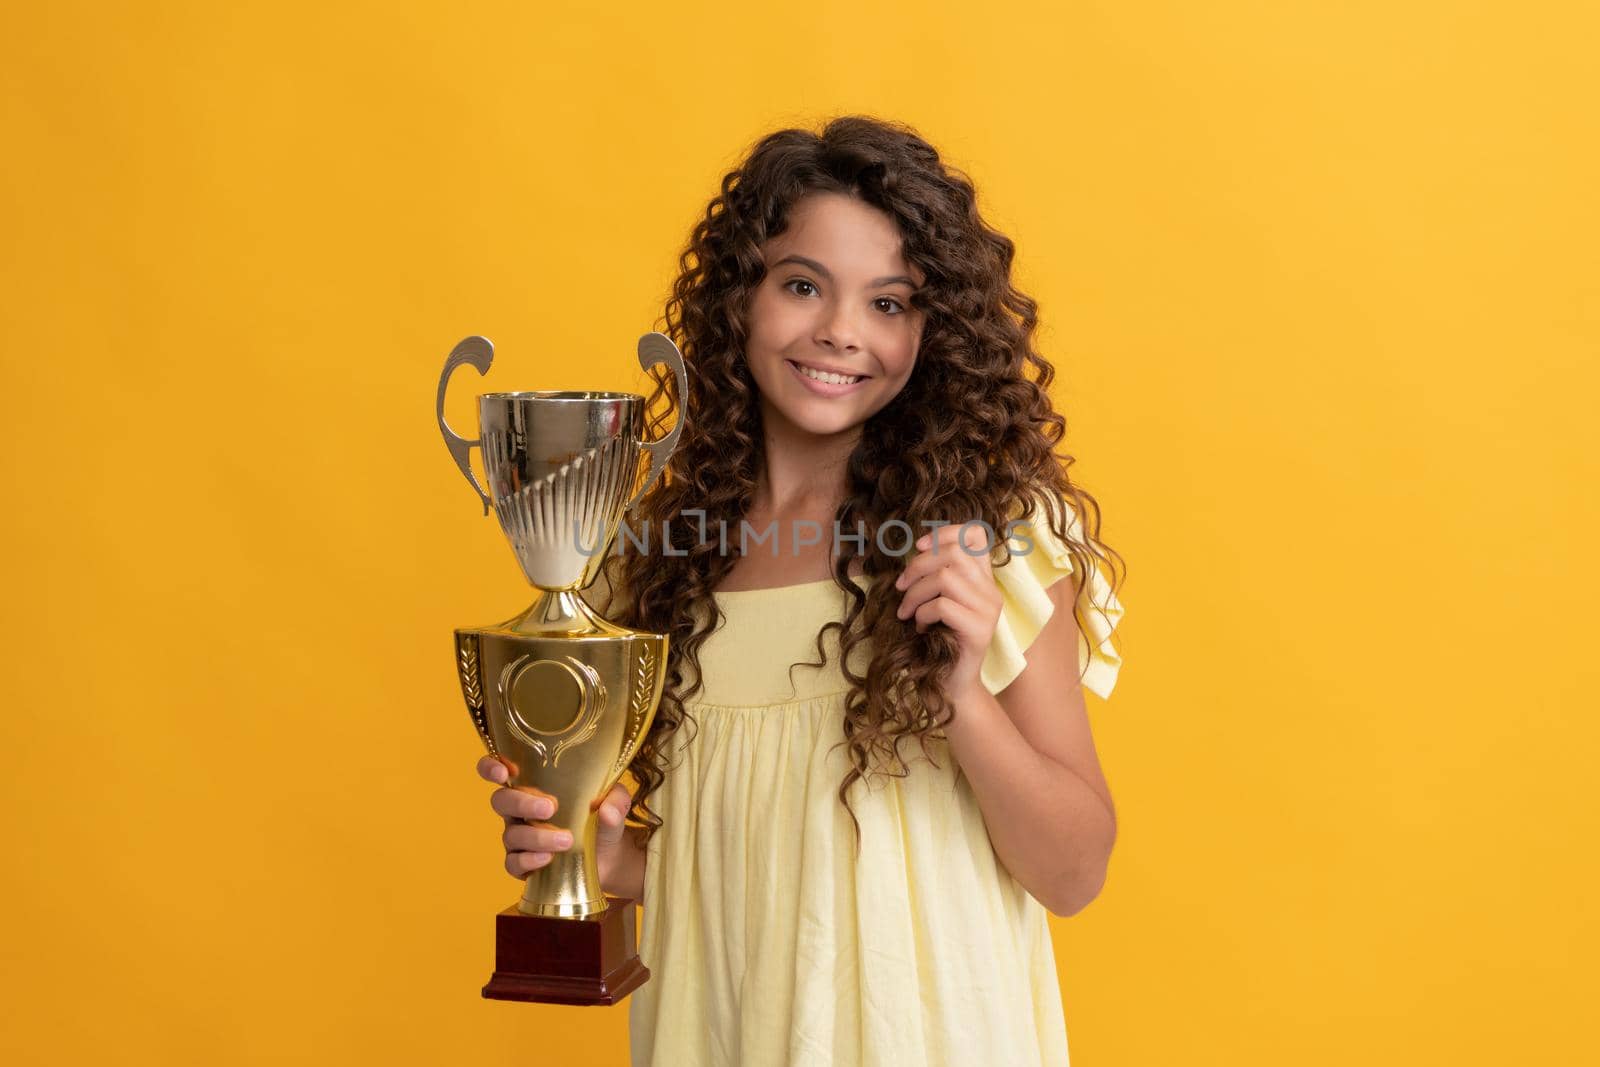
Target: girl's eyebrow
x,y
820,269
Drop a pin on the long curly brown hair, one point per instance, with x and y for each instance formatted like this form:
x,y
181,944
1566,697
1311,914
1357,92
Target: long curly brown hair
x,y
972,435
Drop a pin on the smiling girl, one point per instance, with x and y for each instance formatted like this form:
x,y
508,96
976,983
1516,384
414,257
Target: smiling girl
x,y
871,776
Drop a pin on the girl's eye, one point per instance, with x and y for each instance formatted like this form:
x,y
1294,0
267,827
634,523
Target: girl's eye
x,y
895,307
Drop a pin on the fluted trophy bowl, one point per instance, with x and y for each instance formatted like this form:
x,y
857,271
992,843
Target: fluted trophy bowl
x,y
561,467
558,694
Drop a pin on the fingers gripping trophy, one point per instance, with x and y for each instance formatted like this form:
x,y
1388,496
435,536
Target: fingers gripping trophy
x,y
558,694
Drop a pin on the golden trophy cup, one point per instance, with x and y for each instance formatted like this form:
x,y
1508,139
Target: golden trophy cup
x,y
559,695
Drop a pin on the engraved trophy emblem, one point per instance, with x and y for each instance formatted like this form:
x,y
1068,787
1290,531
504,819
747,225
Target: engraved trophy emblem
x,y
559,694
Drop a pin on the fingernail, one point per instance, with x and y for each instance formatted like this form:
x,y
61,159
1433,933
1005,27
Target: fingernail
x,y
498,773
543,809
564,840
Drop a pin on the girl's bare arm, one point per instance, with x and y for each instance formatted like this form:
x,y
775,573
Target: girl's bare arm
x,y
623,873
1031,761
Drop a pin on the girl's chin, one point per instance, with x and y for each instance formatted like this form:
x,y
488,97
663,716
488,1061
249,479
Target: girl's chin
x,y
805,417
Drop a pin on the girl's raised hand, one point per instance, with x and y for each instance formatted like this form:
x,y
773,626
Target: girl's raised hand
x,y
529,842
947,583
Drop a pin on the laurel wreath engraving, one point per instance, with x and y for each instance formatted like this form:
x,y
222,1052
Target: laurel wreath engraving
x,y
472,687
644,681
593,700
591,721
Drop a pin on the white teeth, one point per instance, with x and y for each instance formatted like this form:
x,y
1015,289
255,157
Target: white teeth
x,y
831,379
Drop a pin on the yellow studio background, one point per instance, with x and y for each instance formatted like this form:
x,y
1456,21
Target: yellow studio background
x,y
1320,283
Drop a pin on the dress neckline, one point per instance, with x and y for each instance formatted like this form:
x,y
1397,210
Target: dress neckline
x,y
819,583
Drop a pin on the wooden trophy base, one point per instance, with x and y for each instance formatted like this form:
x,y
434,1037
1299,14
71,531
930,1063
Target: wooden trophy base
x,y
566,961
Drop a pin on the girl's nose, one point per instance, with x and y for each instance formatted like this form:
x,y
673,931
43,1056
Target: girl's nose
x,y
838,332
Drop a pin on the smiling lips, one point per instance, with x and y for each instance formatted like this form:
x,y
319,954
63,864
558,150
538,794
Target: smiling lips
x,y
823,382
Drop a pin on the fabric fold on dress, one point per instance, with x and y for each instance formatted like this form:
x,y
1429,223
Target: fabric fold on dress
x,y
770,941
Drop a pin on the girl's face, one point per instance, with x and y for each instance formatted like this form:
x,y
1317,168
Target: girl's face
x,y
836,299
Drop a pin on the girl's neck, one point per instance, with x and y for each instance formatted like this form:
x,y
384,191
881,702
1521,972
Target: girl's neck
x,y
805,475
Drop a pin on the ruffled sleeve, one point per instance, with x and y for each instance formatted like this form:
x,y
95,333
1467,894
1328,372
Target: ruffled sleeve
x,y
1024,581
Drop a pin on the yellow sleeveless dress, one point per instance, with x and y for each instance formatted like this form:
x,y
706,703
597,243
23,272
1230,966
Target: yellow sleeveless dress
x,y
769,941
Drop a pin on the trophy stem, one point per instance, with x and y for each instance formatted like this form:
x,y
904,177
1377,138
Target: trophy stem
x,y
563,613
568,887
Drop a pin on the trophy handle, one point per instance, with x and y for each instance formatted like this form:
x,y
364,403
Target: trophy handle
x,y
479,352
658,348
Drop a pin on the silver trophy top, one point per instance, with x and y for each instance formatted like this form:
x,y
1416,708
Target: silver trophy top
x,y
561,464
